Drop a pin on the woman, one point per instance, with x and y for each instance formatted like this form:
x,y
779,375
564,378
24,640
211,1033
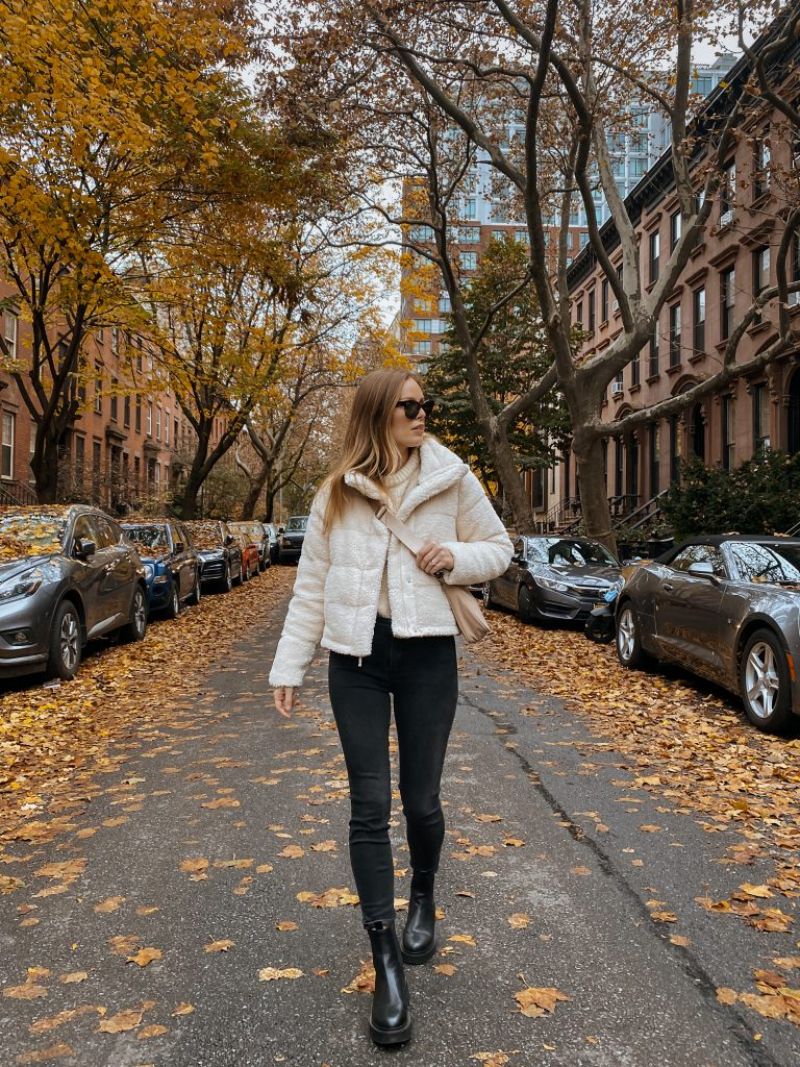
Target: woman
x,y
382,613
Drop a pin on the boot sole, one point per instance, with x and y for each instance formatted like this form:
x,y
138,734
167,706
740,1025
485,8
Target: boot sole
x,y
399,1035
413,959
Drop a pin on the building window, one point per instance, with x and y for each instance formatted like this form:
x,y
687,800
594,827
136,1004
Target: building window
x,y
126,412
97,458
618,465
728,439
149,425
727,300
654,354
166,427
420,233
422,325
115,340
727,195
635,370
604,300
592,314
760,271
655,255
10,324
794,269
655,459
675,335
421,348
114,399
7,453
468,260
674,449
470,208
80,457
469,235
158,424
138,414
674,229
761,169
618,385
444,304
98,395
699,323
761,438
175,432
579,314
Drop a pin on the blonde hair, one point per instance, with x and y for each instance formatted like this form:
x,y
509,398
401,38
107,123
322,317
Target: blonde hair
x,y
369,446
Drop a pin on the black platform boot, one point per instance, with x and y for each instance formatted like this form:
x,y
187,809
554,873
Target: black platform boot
x,y
390,1023
419,936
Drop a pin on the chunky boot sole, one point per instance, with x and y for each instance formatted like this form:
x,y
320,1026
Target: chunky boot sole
x,y
398,1035
415,958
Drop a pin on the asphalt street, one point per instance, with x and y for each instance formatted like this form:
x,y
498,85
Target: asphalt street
x,y
214,822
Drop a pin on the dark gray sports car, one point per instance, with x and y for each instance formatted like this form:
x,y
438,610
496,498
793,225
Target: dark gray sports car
x,y
558,578
728,608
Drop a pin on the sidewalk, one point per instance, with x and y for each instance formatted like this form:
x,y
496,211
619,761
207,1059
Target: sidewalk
x,y
216,822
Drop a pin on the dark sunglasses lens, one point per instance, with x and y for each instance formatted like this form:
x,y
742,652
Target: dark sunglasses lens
x,y
412,407
428,407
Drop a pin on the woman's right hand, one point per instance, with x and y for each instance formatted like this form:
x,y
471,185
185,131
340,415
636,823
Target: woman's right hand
x,y
284,699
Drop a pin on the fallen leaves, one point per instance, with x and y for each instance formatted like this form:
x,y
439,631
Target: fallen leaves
x,y
337,897
364,981
519,920
534,1003
271,974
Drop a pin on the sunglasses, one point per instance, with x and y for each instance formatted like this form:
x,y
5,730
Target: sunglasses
x,y
412,407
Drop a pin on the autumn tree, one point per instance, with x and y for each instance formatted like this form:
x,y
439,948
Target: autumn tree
x,y
113,121
511,357
559,69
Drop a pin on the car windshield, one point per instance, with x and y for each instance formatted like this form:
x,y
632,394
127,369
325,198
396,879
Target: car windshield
x,y
31,533
297,523
560,551
766,562
148,537
253,530
206,535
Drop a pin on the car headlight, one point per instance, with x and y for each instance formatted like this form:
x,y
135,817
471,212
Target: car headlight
x,y
149,570
551,583
21,584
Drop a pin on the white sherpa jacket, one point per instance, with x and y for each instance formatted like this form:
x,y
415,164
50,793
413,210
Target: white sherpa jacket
x,y
335,597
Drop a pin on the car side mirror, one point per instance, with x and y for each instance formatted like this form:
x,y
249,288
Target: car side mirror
x,y
84,548
229,539
702,569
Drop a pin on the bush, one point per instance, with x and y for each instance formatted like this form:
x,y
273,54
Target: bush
x,y
762,496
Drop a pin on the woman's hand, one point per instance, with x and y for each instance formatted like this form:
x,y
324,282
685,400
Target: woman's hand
x,y
284,699
432,558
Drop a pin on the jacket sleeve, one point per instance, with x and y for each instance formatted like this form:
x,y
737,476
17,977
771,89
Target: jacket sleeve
x,y
305,617
483,549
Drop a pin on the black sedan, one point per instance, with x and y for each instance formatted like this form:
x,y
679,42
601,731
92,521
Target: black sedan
x,y
171,564
728,609
290,542
67,574
219,551
556,578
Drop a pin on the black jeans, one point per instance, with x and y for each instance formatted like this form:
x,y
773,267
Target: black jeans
x,y
422,675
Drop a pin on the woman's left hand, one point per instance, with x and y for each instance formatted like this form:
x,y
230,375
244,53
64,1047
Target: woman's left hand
x,y
432,558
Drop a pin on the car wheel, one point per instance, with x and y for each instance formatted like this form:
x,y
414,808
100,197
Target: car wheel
x,y
764,682
525,604
486,594
240,579
629,645
227,581
173,609
197,592
136,627
65,642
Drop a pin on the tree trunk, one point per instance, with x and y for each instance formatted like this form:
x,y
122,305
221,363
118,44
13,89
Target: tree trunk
x,y
512,484
44,465
254,492
588,449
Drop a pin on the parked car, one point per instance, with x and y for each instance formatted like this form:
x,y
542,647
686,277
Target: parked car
x,y
273,532
558,578
290,544
728,609
171,564
219,551
254,536
67,574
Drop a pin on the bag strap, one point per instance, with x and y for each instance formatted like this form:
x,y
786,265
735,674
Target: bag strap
x,y
398,527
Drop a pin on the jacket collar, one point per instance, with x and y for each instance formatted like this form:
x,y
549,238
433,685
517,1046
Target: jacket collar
x,y
439,468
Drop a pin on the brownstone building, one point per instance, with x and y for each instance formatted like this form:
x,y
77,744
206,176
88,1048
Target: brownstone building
x,y
128,446
734,263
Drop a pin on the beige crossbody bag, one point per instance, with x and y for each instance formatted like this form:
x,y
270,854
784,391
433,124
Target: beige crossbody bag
x,y
469,618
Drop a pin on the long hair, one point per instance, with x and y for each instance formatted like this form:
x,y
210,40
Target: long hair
x,y
368,444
